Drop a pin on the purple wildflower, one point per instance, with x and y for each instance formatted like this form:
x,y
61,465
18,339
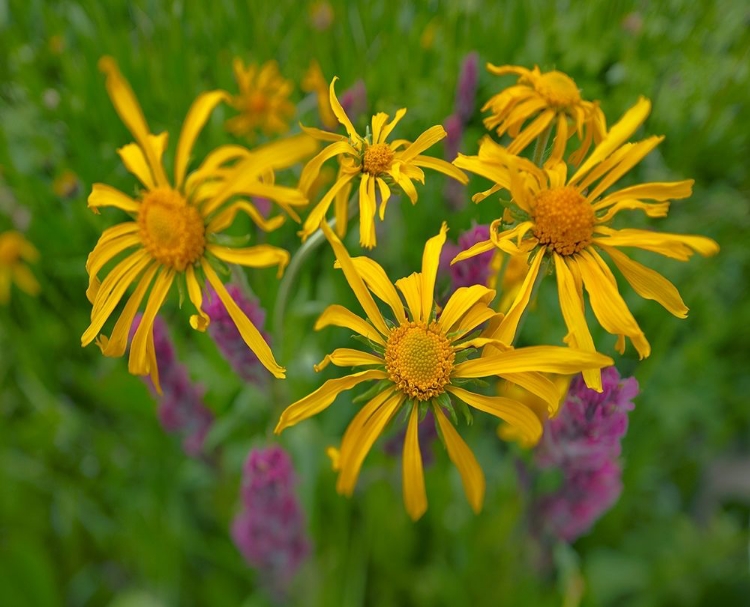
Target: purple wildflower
x,y
466,88
474,271
224,332
270,530
454,130
354,100
583,441
181,408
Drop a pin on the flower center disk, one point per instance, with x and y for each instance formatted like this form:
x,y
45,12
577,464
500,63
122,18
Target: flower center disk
x,y
558,89
563,220
171,230
419,359
377,159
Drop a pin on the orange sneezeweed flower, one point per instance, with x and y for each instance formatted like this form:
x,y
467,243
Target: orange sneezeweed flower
x,y
15,253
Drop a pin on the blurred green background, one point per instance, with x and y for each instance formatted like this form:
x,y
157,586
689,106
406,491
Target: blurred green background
x,y
98,506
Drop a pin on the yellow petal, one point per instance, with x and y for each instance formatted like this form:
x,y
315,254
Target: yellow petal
x,y
412,476
441,166
385,195
348,357
378,282
462,457
652,209
506,332
427,139
250,334
676,246
319,400
430,262
259,256
105,196
224,218
199,321
340,316
459,304
560,142
139,362
477,314
476,249
340,113
571,304
531,132
635,154
367,209
312,168
539,385
674,190
317,215
135,162
355,281
648,283
411,288
512,411
388,128
544,359
193,125
322,135
362,433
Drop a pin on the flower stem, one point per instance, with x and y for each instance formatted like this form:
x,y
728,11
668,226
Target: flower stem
x,y
541,145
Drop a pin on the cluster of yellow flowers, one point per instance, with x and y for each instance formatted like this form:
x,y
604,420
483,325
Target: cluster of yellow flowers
x,y
422,357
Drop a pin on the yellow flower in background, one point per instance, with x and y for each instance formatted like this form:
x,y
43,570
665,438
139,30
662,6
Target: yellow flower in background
x,y
15,253
421,360
263,100
566,219
553,100
172,234
315,82
377,165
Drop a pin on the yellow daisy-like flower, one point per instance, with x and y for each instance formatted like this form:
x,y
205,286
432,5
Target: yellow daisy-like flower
x,y
377,164
174,227
315,82
263,100
15,253
421,361
566,219
553,100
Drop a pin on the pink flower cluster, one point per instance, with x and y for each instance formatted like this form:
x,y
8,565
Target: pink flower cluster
x,y
476,270
463,109
583,441
227,337
181,407
270,530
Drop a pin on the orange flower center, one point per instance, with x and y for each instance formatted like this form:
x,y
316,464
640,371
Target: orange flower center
x,y
419,359
171,230
10,250
558,89
257,103
563,220
378,158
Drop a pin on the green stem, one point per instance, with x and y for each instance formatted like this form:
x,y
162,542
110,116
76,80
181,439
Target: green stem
x,y
541,145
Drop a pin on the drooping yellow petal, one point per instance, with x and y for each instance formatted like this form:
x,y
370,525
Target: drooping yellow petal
x,y
571,304
544,359
378,282
340,316
139,362
459,304
339,111
317,215
259,256
430,262
367,210
199,321
102,254
193,125
507,409
319,400
411,288
676,246
462,457
648,283
250,334
610,309
506,332
364,430
106,196
355,281
348,357
412,475
385,196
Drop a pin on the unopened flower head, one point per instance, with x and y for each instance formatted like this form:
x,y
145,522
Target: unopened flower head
x,y
15,253
270,529
422,361
262,102
553,100
227,337
173,227
565,219
375,163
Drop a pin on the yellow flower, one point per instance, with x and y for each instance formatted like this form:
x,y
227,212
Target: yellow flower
x,y
377,164
14,251
566,219
421,361
263,100
553,100
174,227
315,82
